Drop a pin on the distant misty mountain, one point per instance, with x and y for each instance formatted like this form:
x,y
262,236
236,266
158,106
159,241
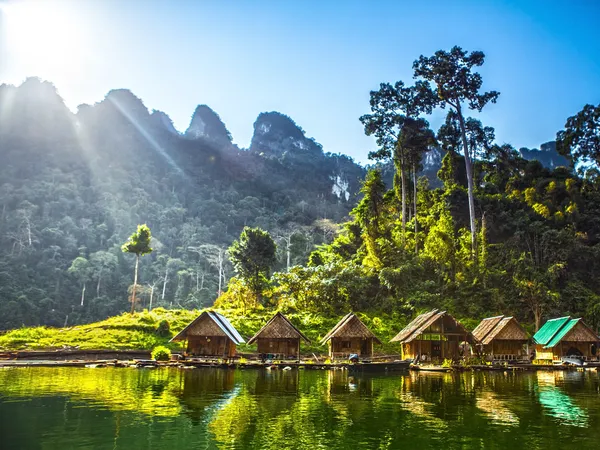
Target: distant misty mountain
x,y
546,154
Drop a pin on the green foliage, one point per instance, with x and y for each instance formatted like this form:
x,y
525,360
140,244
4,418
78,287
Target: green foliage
x,y
161,353
253,256
164,328
580,140
139,242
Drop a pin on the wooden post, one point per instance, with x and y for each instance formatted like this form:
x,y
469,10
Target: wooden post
x,y
298,350
442,339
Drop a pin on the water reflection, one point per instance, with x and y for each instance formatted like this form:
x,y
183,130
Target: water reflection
x,y
557,403
214,408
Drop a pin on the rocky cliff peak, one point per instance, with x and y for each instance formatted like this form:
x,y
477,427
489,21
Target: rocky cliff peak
x,y
207,124
163,120
277,135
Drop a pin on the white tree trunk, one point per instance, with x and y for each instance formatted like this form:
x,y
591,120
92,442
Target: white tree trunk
x,y
415,206
135,277
470,188
82,294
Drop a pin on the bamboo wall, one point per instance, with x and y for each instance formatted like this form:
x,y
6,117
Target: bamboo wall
x,y
287,347
562,349
505,349
347,346
218,346
432,350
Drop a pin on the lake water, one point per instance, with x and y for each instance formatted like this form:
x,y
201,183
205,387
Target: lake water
x,y
64,408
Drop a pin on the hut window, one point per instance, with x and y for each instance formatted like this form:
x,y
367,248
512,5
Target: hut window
x,y
345,344
594,350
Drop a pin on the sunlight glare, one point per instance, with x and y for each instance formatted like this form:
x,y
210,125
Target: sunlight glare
x,y
42,38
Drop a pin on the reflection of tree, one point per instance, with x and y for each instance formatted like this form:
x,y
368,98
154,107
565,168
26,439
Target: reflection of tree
x,y
496,409
204,390
148,392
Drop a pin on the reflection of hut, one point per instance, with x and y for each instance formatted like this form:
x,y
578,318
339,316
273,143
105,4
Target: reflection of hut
x,y
502,338
210,334
565,337
279,337
350,336
433,335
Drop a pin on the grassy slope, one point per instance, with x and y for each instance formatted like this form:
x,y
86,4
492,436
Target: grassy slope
x,y
139,331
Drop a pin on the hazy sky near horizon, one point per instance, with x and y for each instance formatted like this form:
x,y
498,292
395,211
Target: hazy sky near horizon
x,y
315,61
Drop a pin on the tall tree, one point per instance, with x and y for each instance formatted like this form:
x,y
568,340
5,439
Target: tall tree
x,y
393,108
581,137
456,86
416,138
81,269
253,255
138,244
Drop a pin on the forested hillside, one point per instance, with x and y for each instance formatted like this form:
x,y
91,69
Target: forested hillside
x,y
445,218
502,234
74,186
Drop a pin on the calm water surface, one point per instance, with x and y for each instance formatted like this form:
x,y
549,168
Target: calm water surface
x,y
63,408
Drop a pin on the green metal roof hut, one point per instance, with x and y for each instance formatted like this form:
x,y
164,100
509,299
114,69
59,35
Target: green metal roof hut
x,y
565,337
210,335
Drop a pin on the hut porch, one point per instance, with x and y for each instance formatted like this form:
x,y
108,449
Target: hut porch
x,y
286,348
344,347
218,346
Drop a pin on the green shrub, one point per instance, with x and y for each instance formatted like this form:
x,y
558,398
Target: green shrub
x,y
164,328
447,363
161,353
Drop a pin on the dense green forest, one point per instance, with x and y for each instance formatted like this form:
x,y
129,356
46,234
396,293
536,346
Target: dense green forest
x,y
74,186
501,235
445,218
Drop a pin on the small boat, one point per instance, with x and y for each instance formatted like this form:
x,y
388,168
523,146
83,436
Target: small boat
x,y
430,368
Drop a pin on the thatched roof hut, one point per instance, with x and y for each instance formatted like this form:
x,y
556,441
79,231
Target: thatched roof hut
x,y
210,334
433,335
350,336
565,337
279,337
502,338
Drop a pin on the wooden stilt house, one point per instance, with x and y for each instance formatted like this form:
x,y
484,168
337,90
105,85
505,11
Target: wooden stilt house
x,y
210,334
280,338
350,336
502,339
434,335
565,337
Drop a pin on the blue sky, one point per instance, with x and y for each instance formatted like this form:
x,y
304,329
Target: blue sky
x,y
315,61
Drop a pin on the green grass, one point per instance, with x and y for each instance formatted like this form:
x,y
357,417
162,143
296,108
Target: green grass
x,y
138,331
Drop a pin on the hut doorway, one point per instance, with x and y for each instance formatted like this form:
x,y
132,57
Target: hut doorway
x,y
364,347
436,349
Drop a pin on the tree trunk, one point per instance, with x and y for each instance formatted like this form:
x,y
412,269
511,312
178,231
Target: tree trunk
x,y
151,296
220,271
469,170
164,285
98,285
403,178
82,294
415,206
537,315
288,249
135,277
483,260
